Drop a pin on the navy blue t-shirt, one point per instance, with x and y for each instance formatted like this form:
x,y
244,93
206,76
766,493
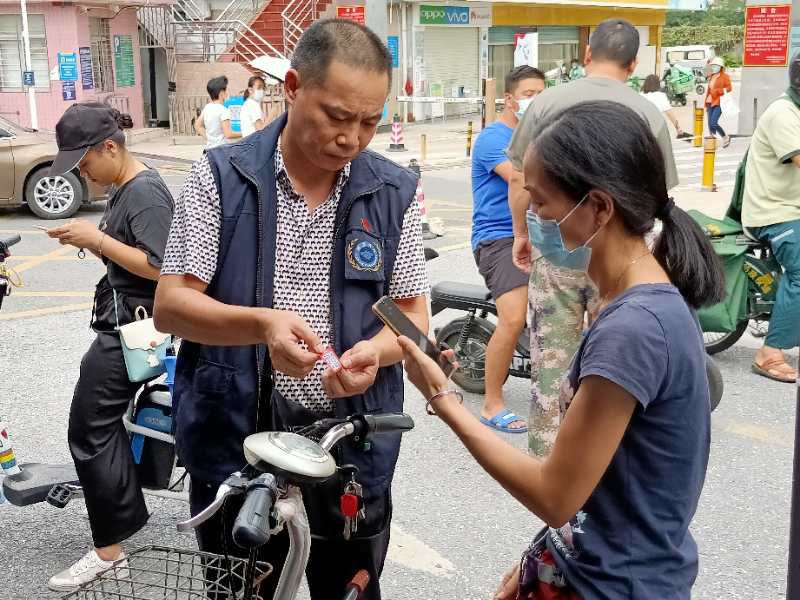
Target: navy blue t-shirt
x,y
631,539
491,214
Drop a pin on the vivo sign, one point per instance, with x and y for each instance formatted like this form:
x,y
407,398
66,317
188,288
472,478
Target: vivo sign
x,y
443,15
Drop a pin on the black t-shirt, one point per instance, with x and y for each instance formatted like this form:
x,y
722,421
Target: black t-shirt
x,y
138,214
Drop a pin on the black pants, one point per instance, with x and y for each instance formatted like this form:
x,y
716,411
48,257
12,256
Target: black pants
x,y
333,561
100,445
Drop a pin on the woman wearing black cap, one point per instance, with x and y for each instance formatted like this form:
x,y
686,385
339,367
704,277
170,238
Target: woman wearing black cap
x,y
130,240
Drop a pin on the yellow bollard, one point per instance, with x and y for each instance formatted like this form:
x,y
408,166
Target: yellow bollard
x,y
698,127
709,153
423,148
469,138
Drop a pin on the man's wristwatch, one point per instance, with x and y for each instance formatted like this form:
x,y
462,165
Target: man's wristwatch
x,y
449,392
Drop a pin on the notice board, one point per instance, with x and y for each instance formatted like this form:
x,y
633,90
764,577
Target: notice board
x,y
124,69
766,35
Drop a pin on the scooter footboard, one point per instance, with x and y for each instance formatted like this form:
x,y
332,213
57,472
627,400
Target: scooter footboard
x,y
32,485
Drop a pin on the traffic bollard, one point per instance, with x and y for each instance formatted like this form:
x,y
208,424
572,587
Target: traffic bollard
x,y
396,139
698,126
469,138
709,154
423,148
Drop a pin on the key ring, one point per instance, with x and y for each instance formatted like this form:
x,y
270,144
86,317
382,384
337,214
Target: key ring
x,y
81,253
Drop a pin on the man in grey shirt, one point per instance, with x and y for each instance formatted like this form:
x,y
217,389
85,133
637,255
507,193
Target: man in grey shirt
x,y
559,298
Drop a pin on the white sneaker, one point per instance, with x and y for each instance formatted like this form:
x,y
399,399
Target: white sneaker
x,y
86,569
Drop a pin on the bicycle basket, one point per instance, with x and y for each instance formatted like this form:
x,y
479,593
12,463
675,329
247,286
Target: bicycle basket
x,y
159,573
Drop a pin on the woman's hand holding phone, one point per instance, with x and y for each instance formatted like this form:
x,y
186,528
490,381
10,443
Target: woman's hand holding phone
x,y
424,372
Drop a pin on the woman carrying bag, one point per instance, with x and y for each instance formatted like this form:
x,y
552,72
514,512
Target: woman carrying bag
x,y
622,483
718,86
130,241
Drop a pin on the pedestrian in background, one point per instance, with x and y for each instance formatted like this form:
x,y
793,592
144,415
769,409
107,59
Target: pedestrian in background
x,y
718,85
576,71
493,238
214,123
130,241
560,297
652,91
252,117
771,212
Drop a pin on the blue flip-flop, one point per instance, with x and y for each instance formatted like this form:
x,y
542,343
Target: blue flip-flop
x,y
502,420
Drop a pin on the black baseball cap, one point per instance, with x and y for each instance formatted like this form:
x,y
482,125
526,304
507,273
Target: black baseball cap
x,y
81,127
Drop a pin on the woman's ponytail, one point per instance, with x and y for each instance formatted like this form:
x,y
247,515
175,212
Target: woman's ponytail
x,y
688,257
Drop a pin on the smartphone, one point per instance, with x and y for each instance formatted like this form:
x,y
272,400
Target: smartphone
x,y
391,315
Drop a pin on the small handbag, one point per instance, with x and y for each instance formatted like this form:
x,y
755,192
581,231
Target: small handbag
x,y
143,346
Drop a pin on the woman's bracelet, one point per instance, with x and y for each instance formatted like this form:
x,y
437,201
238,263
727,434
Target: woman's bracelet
x,y
100,246
454,392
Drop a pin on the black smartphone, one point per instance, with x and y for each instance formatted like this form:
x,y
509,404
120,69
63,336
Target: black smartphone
x,y
388,312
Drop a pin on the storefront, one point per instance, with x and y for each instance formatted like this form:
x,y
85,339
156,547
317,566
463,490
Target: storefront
x,y
560,32
78,54
449,55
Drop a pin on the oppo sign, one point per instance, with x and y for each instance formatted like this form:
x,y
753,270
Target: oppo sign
x,y
443,15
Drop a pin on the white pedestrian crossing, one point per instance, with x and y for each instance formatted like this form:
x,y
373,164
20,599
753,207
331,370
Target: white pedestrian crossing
x,y
689,163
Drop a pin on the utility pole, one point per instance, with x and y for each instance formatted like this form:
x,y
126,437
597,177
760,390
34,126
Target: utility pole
x,y
26,40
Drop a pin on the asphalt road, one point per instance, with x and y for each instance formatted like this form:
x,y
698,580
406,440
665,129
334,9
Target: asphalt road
x,y
456,530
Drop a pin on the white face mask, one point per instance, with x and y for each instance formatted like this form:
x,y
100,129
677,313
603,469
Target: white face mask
x,y
258,95
524,103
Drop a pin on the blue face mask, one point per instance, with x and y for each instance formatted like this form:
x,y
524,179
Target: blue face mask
x,y
523,103
545,235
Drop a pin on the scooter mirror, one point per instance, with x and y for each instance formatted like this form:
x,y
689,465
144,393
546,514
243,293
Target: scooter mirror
x,y
289,454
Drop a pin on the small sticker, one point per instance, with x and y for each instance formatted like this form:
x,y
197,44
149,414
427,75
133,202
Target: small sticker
x,y
329,358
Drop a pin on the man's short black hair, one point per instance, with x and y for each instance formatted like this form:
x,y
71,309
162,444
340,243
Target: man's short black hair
x,y
216,86
517,74
615,40
342,40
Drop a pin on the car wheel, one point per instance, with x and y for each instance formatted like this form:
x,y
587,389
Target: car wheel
x,y
56,197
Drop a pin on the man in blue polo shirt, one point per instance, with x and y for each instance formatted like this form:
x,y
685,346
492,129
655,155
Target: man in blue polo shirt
x,y
492,242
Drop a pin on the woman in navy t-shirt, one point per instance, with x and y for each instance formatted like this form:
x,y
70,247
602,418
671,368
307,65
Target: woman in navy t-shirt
x,y
624,478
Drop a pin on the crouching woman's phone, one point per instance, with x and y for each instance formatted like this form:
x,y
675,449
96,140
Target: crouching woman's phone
x,y
388,312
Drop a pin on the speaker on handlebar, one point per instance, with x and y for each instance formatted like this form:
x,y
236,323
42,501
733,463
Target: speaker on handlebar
x,y
154,458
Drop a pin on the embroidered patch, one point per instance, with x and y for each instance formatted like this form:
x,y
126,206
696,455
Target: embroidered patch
x,y
364,255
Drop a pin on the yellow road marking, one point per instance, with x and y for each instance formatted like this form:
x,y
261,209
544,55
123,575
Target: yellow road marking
x,y
460,246
20,294
22,231
760,433
60,258
36,261
40,312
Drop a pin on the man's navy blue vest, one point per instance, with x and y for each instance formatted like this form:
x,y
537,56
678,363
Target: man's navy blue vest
x,y
220,391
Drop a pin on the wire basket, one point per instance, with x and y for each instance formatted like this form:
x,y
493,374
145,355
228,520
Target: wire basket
x,y
160,573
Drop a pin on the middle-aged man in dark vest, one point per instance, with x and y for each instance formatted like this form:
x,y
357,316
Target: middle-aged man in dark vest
x,y
279,246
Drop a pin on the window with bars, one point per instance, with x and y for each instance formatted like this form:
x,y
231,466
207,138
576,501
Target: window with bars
x,y
12,52
102,57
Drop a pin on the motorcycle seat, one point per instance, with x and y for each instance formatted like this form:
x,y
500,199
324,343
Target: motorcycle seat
x,y
463,291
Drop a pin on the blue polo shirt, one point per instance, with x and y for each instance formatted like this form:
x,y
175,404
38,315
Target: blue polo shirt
x,y
491,215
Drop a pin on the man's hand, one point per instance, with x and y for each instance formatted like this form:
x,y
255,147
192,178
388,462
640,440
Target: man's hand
x,y
79,233
359,368
507,590
521,253
282,332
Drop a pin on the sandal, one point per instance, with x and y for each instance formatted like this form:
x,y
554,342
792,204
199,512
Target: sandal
x,y
502,421
771,370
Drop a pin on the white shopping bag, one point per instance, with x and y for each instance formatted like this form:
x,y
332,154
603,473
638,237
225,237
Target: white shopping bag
x,y
728,105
